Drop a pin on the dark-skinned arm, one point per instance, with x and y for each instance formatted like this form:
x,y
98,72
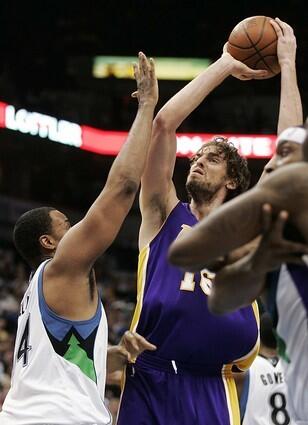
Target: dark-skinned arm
x,y
238,285
88,239
240,220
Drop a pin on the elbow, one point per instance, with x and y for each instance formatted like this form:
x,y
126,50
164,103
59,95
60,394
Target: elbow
x,y
125,187
161,124
129,187
122,188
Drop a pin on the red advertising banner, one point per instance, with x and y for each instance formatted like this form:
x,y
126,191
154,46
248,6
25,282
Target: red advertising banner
x,y
105,142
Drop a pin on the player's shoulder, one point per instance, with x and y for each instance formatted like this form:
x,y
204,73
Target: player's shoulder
x,y
289,182
297,171
290,174
263,361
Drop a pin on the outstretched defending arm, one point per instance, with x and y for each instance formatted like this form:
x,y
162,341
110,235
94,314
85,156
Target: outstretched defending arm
x,y
88,239
158,196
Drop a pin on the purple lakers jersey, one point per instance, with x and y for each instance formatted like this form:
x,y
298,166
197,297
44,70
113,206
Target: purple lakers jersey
x,y
172,310
188,379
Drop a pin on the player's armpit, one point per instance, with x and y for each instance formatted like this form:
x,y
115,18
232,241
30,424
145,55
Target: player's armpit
x,y
154,212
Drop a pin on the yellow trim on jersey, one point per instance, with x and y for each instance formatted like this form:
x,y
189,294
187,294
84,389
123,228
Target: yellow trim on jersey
x,y
256,312
141,276
232,401
244,363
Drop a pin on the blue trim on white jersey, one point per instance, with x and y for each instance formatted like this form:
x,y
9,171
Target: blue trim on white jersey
x,y
59,326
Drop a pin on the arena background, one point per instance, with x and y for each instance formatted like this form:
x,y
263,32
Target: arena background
x,y
47,53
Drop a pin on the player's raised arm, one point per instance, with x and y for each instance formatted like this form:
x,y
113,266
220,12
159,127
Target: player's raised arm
x,y
88,239
290,109
158,196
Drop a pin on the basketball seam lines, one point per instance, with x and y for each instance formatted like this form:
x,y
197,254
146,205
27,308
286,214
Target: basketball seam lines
x,y
259,61
257,51
252,44
254,47
261,33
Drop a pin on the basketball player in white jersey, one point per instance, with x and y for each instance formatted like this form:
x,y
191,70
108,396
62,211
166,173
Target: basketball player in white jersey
x,y
61,345
283,195
263,395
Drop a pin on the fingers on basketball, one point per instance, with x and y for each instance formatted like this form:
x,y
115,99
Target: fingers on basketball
x,y
254,42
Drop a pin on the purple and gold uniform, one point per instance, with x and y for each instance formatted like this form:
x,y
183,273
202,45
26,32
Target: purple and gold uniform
x,y
187,380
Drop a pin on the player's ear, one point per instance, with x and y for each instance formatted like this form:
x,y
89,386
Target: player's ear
x,y
231,185
47,242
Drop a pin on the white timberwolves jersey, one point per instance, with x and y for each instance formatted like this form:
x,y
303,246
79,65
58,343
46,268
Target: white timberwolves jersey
x,y
266,395
292,328
59,367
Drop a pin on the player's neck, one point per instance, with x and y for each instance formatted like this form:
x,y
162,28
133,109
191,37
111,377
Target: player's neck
x,y
202,209
267,352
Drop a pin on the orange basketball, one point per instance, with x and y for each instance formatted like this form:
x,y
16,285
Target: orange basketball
x,y
254,42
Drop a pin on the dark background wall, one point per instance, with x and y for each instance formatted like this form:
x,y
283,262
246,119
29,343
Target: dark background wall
x,y
47,49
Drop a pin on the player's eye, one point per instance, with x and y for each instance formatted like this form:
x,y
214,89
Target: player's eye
x,y
194,159
284,152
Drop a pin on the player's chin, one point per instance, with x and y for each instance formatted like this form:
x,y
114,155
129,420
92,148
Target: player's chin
x,y
194,177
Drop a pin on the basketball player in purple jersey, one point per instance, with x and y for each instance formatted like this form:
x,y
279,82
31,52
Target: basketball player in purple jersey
x,y
188,380
285,288
238,283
